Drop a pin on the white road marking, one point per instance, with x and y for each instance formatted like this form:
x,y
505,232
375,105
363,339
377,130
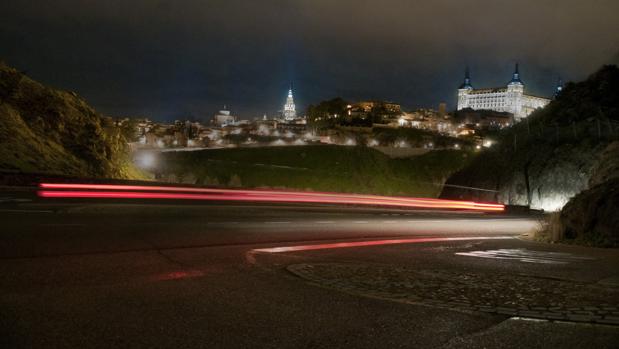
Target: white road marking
x,y
360,222
373,243
527,256
324,222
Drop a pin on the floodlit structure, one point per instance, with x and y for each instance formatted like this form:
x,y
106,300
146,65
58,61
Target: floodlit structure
x,y
510,98
224,118
290,112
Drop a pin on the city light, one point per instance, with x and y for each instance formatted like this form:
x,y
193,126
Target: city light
x,y
333,174
146,160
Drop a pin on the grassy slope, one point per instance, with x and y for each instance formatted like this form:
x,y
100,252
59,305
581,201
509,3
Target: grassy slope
x,y
50,131
23,150
319,168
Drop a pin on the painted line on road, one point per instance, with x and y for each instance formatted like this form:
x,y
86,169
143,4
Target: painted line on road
x,y
324,222
360,222
527,256
373,243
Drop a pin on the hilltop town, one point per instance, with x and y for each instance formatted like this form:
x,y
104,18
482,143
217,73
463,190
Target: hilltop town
x,y
385,125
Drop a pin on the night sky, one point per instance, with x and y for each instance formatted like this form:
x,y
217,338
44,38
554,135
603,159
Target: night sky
x,y
181,59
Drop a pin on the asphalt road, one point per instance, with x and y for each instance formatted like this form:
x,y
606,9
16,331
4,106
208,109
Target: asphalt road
x,y
172,275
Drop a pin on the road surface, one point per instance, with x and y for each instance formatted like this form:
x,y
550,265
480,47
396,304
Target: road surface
x,y
92,273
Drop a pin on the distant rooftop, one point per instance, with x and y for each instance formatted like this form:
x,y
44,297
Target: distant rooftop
x,y
488,90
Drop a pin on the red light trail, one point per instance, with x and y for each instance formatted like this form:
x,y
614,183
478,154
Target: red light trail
x,y
114,191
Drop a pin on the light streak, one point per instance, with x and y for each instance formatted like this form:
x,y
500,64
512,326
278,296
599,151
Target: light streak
x,y
76,190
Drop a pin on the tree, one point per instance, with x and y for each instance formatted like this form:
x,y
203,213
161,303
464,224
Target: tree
x,y
327,113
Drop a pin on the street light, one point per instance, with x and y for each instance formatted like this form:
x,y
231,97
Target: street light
x,y
146,160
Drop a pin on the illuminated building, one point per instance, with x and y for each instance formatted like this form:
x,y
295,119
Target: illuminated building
x,y
290,112
368,106
442,109
510,99
224,118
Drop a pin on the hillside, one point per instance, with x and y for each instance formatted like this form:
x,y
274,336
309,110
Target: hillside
x,y
50,131
315,167
550,157
591,216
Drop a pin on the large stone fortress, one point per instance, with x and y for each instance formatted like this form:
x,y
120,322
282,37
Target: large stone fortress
x,y
511,98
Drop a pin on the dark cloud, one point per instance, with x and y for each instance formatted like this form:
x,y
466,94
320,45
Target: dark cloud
x,y
177,58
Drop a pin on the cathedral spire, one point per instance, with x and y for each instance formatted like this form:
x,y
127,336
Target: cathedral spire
x,y
290,112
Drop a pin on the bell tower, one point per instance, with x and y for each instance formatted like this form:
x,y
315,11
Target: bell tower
x,y
464,90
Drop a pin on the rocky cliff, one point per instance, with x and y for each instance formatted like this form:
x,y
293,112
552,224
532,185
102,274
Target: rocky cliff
x,y
591,216
51,131
550,157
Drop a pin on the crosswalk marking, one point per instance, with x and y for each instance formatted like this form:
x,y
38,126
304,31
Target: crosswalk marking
x,y
527,256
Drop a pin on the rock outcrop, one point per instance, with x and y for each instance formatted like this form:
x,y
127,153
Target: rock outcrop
x,y
591,216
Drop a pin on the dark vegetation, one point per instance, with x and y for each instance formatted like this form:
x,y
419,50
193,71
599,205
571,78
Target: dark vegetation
x,y
334,112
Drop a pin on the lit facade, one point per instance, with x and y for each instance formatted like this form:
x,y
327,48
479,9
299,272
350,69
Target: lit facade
x,y
367,106
290,112
510,99
224,118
